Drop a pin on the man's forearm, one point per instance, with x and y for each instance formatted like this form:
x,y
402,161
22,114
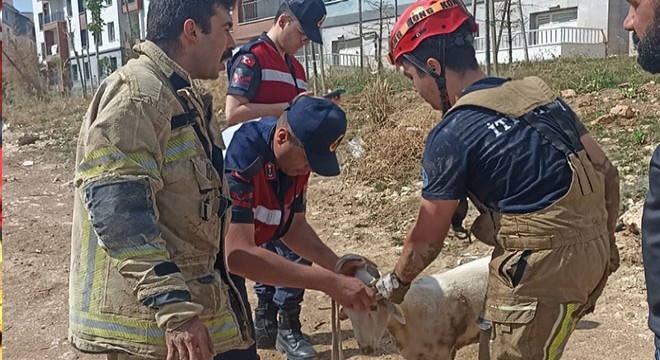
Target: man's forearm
x,y
417,254
612,200
266,267
304,241
612,194
250,111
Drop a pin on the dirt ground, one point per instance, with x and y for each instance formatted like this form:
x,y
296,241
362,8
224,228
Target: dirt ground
x,y
37,219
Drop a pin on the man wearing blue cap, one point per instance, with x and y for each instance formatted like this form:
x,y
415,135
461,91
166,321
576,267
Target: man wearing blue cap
x,y
264,78
267,165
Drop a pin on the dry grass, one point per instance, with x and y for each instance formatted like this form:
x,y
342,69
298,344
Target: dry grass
x,y
20,68
394,144
376,100
393,121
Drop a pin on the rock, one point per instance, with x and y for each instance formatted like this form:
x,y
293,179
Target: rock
x,y
605,119
27,139
585,101
28,163
633,218
568,93
623,111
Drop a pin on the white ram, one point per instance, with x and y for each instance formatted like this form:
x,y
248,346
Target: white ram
x,y
438,316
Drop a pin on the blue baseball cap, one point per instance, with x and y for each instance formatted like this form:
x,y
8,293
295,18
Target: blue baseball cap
x,y
310,14
320,126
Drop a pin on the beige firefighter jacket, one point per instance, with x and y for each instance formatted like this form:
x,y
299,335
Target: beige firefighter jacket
x,y
147,223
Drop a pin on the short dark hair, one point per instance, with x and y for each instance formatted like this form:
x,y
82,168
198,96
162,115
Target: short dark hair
x,y
284,10
283,122
457,58
165,19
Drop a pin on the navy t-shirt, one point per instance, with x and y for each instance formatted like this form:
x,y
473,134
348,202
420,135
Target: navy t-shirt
x,y
503,161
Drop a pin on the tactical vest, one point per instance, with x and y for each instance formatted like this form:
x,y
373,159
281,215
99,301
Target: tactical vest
x,y
271,205
281,78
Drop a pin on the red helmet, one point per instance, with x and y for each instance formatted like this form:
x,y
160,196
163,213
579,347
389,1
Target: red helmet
x,y
424,19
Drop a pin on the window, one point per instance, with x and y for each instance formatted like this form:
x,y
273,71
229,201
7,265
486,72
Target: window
x,y
43,50
252,10
74,72
81,6
41,21
83,38
540,20
108,2
87,71
113,63
69,7
111,31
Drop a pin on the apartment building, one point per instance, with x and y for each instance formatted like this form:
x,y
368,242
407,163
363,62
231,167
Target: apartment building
x,y
16,23
18,40
252,17
61,33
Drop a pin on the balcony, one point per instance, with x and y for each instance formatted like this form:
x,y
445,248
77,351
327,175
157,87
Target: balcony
x,y
550,43
255,10
50,21
334,60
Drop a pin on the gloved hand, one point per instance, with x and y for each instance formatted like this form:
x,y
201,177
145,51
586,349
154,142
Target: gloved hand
x,y
390,287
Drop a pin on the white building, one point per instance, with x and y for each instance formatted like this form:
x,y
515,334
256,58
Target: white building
x,y
553,28
60,21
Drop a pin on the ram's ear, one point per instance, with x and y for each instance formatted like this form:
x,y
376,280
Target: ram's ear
x,y
342,314
395,311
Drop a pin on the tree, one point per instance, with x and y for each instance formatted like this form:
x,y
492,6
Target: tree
x,y
386,13
376,23
131,36
70,35
106,66
95,27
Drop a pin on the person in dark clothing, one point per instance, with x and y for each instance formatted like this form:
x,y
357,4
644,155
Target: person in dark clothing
x,y
644,21
547,195
264,79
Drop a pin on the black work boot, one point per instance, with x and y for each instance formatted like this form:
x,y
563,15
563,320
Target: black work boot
x,y
265,325
290,339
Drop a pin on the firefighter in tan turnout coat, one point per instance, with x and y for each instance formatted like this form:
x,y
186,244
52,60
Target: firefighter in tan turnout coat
x,y
150,208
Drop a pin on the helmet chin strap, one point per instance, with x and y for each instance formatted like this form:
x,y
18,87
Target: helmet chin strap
x,y
441,82
440,79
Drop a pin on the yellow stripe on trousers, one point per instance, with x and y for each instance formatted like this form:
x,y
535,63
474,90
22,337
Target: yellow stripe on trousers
x,y
567,324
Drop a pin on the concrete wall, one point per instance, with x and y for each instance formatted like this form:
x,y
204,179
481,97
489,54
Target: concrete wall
x,y
618,38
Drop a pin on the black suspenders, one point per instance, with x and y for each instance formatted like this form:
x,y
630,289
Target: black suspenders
x,y
558,128
189,117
